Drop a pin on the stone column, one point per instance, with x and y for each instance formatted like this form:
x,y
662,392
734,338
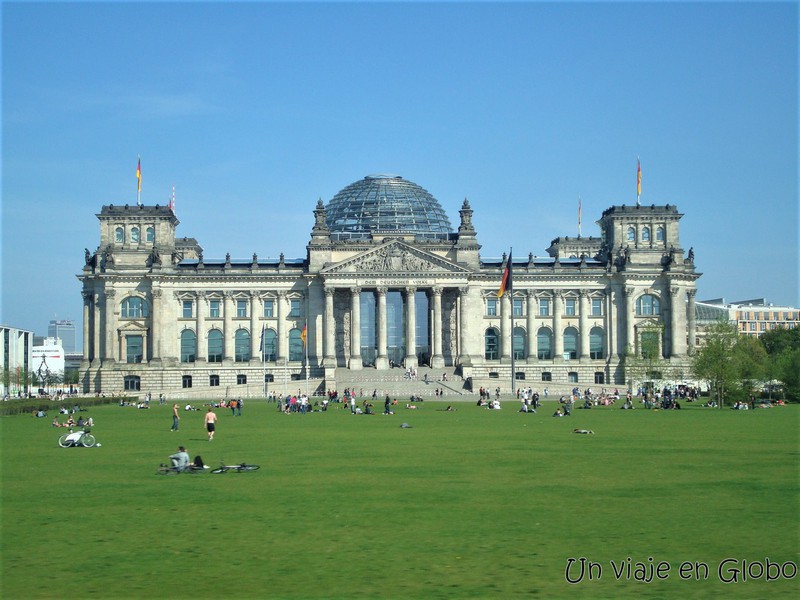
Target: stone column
x,y
530,324
583,324
355,332
255,330
155,328
97,321
110,325
87,314
202,342
677,325
382,360
464,358
629,320
228,354
437,360
411,327
690,310
558,334
506,306
330,329
283,341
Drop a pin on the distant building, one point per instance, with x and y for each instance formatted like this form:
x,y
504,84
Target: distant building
x,y
757,316
16,359
65,330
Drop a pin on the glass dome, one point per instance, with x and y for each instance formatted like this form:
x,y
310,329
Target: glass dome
x,y
385,203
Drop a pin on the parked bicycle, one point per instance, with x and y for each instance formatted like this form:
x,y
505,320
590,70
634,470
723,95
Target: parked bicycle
x,y
78,438
240,468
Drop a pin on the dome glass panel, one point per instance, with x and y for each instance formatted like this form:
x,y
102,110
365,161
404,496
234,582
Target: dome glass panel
x,y
385,203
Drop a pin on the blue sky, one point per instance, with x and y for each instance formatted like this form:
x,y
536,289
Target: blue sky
x,y
253,111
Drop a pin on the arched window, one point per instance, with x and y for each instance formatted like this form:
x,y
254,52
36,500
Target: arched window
x,y
135,235
491,344
150,234
648,305
295,345
596,343
119,235
544,344
268,347
519,343
188,346
242,345
215,346
659,234
571,342
631,234
646,234
134,308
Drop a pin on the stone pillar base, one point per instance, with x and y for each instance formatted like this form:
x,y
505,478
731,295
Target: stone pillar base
x,y
382,362
411,361
356,364
437,362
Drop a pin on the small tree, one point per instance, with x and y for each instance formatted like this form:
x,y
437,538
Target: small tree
x,y
647,365
715,362
751,362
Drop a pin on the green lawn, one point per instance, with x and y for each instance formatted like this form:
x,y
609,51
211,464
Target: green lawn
x,y
466,504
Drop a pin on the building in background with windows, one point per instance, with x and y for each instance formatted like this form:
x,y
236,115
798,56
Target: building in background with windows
x,y
16,358
386,281
752,317
64,330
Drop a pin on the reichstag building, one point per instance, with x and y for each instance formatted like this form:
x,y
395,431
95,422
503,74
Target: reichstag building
x,y
387,283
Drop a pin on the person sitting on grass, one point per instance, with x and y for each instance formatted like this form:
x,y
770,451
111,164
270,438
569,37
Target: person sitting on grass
x,y
180,460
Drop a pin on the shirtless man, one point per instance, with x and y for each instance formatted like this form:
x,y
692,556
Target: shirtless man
x,y
210,423
175,418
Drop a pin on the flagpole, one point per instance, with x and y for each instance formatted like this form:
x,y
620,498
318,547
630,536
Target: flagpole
x,y
638,180
305,343
511,302
263,362
579,216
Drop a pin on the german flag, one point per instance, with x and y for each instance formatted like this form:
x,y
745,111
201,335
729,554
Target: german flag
x,y
506,283
139,176
304,334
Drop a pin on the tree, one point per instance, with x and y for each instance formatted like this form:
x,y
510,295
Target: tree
x,y
751,362
714,360
647,366
783,350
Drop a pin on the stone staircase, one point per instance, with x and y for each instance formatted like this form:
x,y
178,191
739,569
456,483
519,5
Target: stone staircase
x,y
397,385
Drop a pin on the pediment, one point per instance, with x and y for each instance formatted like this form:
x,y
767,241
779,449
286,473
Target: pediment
x,y
132,327
395,257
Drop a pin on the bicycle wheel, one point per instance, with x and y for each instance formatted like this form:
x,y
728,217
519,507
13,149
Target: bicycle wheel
x,y
219,470
88,440
64,442
246,468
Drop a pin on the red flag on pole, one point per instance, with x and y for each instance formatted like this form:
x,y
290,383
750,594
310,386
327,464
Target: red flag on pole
x,y
505,283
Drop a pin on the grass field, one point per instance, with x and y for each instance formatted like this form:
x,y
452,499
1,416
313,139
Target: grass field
x,y
465,504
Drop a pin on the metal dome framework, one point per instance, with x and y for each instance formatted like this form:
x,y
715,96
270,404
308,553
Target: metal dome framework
x,y
386,203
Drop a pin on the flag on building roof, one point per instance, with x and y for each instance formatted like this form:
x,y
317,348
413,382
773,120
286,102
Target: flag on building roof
x,y
139,175
506,283
638,179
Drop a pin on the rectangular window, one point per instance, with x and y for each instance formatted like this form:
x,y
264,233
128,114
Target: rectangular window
x,y
213,380
241,308
187,309
186,382
597,307
544,307
295,308
134,348
569,307
269,378
213,309
547,376
241,379
599,377
269,309
517,302
491,307
132,383
572,377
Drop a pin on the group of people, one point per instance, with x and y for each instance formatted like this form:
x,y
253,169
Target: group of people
x,y
71,422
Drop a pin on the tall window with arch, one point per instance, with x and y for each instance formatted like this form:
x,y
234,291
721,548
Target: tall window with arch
x,y
659,234
134,307
215,346
135,235
242,345
188,346
119,235
544,344
295,345
648,305
596,343
631,236
571,342
269,345
518,345
150,234
491,341
645,234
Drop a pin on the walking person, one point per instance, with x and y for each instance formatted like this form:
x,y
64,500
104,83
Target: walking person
x,y
175,418
210,422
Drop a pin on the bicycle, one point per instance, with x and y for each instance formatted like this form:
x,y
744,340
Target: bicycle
x,y
168,470
78,438
240,468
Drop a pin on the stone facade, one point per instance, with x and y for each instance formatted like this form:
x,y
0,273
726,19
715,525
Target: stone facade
x,y
158,316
